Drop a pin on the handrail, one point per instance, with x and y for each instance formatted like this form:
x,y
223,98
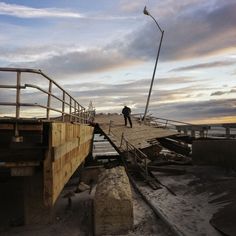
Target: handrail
x,y
159,120
77,112
140,158
223,130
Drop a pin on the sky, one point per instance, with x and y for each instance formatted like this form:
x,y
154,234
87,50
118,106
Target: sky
x,y
104,51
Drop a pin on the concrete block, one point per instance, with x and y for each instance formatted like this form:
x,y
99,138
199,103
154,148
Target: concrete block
x,y
113,205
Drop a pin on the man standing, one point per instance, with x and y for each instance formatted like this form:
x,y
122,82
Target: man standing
x,y
126,111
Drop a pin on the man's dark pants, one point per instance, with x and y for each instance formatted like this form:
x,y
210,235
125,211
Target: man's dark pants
x,y
130,122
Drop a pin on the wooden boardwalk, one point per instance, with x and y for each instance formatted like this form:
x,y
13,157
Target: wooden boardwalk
x,y
139,136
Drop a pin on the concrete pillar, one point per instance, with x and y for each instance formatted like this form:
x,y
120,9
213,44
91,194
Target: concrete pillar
x,y
193,133
227,132
113,206
201,133
185,131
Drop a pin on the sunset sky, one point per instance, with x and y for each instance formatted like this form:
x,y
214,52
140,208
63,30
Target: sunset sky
x,y
104,51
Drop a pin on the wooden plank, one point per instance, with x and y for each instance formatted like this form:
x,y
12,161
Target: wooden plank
x,y
19,164
69,155
64,148
169,169
22,127
138,136
30,127
69,146
6,126
22,171
47,172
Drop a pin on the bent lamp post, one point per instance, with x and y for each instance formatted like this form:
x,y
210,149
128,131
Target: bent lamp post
x,y
146,12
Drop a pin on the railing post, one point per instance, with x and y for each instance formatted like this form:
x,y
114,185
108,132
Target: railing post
x,y
76,115
70,107
121,141
127,148
18,83
63,106
79,114
83,116
193,133
146,169
201,133
109,127
17,137
135,156
74,118
166,124
49,99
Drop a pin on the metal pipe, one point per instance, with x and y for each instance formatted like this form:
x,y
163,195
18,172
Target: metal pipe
x,y
70,109
49,98
63,106
18,82
73,104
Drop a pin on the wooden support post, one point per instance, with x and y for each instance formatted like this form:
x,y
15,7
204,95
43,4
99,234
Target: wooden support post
x,y
35,212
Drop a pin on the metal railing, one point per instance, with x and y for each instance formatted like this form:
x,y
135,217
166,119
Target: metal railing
x,y
139,158
159,122
223,130
69,109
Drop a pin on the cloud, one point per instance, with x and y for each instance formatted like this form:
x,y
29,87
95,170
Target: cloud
x,y
197,110
35,53
30,12
171,103
219,93
22,11
61,63
205,65
93,60
131,6
133,93
196,33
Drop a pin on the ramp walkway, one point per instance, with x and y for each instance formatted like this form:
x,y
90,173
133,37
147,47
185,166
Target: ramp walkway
x,y
140,136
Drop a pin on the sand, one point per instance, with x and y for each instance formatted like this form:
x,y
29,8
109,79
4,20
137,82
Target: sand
x,y
77,220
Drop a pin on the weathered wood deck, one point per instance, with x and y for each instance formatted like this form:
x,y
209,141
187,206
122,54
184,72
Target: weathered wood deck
x,y
139,135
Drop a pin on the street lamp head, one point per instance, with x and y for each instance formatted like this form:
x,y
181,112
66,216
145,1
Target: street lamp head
x,y
145,11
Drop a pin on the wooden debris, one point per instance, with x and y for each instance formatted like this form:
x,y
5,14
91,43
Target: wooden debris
x,y
82,187
169,169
